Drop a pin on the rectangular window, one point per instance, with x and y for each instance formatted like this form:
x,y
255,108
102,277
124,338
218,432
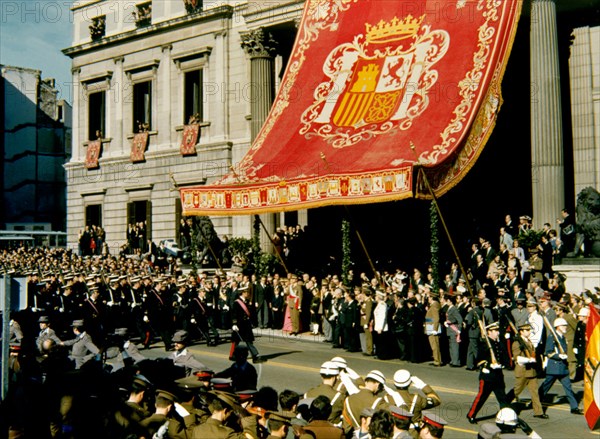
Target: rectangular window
x,y
139,223
192,96
142,106
96,115
93,215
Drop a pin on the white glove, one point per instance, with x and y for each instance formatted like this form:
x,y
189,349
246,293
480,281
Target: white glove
x,y
193,320
146,319
162,431
522,360
225,307
34,309
446,324
63,310
133,305
563,356
111,303
532,360
417,382
575,351
507,335
235,328
485,370
496,366
181,411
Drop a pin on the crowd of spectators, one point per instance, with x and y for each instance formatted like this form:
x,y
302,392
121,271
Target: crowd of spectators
x,y
402,314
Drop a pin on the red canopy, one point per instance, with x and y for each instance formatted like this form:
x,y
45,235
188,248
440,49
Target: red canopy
x,y
366,80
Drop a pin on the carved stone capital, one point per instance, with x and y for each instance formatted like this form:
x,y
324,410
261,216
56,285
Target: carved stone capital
x,y
259,44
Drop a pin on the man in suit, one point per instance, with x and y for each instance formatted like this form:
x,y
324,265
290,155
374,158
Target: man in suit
x,y
366,319
263,295
453,326
351,319
242,319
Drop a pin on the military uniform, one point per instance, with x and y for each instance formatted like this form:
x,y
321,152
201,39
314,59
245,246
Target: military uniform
x,y
415,402
322,430
336,397
354,404
83,349
523,354
432,321
214,429
491,378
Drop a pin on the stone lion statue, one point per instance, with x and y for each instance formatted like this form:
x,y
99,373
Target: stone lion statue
x,y
208,244
587,240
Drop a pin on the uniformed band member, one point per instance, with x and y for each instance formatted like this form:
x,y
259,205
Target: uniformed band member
x,y
491,378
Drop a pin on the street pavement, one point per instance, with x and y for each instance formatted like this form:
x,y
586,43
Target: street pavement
x,y
293,363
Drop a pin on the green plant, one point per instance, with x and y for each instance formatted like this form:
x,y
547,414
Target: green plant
x,y
346,251
239,246
434,245
267,264
530,239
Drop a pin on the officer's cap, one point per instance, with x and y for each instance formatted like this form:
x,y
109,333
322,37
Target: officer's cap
x,y
166,395
433,419
493,326
400,413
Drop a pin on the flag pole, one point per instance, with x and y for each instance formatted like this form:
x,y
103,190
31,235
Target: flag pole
x,y
439,212
358,235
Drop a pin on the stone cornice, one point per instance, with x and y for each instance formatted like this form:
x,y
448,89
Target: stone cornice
x,y
112,40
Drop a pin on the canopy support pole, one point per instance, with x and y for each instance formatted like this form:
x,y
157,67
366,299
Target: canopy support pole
x,y
439,212
358,235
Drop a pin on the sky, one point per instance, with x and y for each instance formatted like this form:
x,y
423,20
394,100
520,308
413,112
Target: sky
x,y
33,33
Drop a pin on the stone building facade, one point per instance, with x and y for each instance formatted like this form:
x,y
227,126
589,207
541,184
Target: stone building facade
x,y
156,64
35,142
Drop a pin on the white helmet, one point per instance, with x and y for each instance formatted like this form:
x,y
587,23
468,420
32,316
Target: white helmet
x,y
560,322
507,416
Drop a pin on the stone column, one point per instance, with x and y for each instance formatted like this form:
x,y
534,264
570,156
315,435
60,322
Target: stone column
x,y
261,48
76,131
584,108
165,132
117,145
547,173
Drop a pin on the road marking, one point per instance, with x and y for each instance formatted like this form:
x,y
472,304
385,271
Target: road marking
x,y
462,430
